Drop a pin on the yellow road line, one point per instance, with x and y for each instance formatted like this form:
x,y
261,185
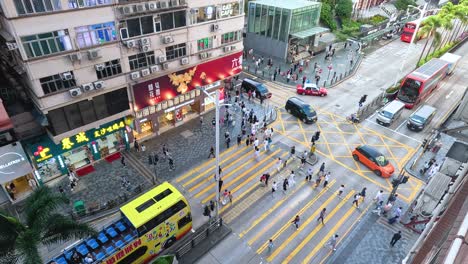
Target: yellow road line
x,y
302,129
326,142
280,119
347,231
231,163
196,169
288,223
316,229
278,204
230,183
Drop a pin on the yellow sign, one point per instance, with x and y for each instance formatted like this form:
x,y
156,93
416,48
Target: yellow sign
x,y
90,135
67,144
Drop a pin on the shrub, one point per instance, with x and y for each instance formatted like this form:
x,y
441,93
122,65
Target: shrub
x,y
326,16
393,89
403,4
164,260
344,8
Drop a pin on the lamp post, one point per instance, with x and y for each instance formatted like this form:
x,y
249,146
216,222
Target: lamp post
x,y
217,176
411,45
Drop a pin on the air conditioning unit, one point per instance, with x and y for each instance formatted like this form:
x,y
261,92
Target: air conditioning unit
x,y
87,87
135,75
145,48
127,10
203,55
99,85
145,41
152,6
145,72
66,76
174,3
75,56
184,61
130,44
99,67
12,45
227,48
165,65
93,54
162,59
214,27
141,8
154,68
168,39
163,4
233,47
75,92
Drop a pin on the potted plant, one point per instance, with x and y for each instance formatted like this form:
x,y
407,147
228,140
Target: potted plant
x,y
166,259
391,92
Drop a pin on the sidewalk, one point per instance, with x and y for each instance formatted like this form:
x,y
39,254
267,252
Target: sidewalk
x,y
340,66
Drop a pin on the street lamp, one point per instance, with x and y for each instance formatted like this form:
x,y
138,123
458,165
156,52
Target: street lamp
x,y
217,177
411,45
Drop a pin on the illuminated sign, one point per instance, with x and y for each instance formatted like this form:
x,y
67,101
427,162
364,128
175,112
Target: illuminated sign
x,y
82,137
13,162
42,153
124,252
227,10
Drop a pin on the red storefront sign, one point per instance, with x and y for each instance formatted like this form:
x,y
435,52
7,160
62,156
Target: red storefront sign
x,y
169,86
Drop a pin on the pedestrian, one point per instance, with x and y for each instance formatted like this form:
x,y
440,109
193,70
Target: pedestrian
x,y
351,62
61,190
171,164
122,161
318,180
213,123
288,77
322,168
249,93
387,208
220,171
257,154
303,158
345,44
274,187
256,143
395,238
212,152
285,185
363,194
270,245
292,180
309,174
326,179
340,190
292,152
295,221
322,215
136,145
267,177
330,47
279,164
332,242
333,52
397,215
206,211
312,150
427,165
230,197
393,199
356,200
304,79
228,141
212,205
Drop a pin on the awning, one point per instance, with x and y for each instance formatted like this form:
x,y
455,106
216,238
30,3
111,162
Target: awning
x,y
310,32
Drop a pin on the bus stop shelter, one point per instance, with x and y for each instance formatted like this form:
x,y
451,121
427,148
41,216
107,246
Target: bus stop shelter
x,y
283,29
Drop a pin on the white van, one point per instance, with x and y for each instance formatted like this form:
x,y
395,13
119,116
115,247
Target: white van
x,y
389,113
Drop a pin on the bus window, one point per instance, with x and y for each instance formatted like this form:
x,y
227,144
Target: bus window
x,y
162,195
131,258
184,221
163,216
409,90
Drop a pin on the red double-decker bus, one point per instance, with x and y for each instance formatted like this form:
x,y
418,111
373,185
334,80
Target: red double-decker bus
x,y
409,29
417,85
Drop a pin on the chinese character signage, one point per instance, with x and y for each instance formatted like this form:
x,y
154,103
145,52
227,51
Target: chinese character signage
x,y
169,86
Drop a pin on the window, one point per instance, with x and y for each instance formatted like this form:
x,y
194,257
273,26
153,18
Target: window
x,y
85,112
36,6
231,37
203,14
46,43
205,43
141,60
162,217
111,68
176,51
140,26
87,3
184,221
95,34
148,24
54,83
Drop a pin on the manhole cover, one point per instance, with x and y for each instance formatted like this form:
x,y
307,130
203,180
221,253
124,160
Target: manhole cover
x,y
186,134
338,106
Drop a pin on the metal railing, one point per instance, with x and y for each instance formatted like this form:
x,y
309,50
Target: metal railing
x,y
198,238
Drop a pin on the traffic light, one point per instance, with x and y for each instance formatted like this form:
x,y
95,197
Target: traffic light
x,y
404,179
395,182
424,143
317,135
220,185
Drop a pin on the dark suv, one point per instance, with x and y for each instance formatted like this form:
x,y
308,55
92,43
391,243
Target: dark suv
x,y
301,110
259,88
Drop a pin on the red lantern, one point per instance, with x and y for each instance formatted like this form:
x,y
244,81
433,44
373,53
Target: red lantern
x,y
40,148
36,153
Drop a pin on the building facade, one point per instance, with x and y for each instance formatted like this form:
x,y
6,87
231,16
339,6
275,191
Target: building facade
x,y
103,72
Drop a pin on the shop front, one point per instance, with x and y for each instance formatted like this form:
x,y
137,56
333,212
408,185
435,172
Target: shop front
x,y
79,152
171,100
16,173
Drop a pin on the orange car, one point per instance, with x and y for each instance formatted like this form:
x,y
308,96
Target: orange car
x,y
374,160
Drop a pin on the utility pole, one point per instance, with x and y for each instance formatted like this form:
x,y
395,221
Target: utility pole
x,y
401,179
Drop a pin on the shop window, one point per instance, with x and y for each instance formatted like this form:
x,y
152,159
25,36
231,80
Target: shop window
x,y
54,83
87,3
205,43
97,34
176,51
111,68
46,43
203,14
229,9
141,60
231,37
24,7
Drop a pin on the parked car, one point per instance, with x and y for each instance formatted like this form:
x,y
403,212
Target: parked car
x,y
374,160
259,88
421,117
301,110
311,89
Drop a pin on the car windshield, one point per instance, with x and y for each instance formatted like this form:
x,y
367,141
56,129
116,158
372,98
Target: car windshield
x,y
262,89
381,160
418,119
409,91
308,110
386,114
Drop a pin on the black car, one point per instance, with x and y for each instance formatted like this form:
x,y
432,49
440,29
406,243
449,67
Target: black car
x,y
301,110
259,88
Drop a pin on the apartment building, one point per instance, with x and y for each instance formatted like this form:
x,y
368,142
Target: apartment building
x,y
103,72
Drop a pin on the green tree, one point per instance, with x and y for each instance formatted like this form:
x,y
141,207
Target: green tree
x,y
429,29
403,4
344,8
460,12
20,242
326,16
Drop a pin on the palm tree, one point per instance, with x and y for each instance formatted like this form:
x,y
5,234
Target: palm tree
x,y
447,14
429,29
20,242
446,24
461,13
